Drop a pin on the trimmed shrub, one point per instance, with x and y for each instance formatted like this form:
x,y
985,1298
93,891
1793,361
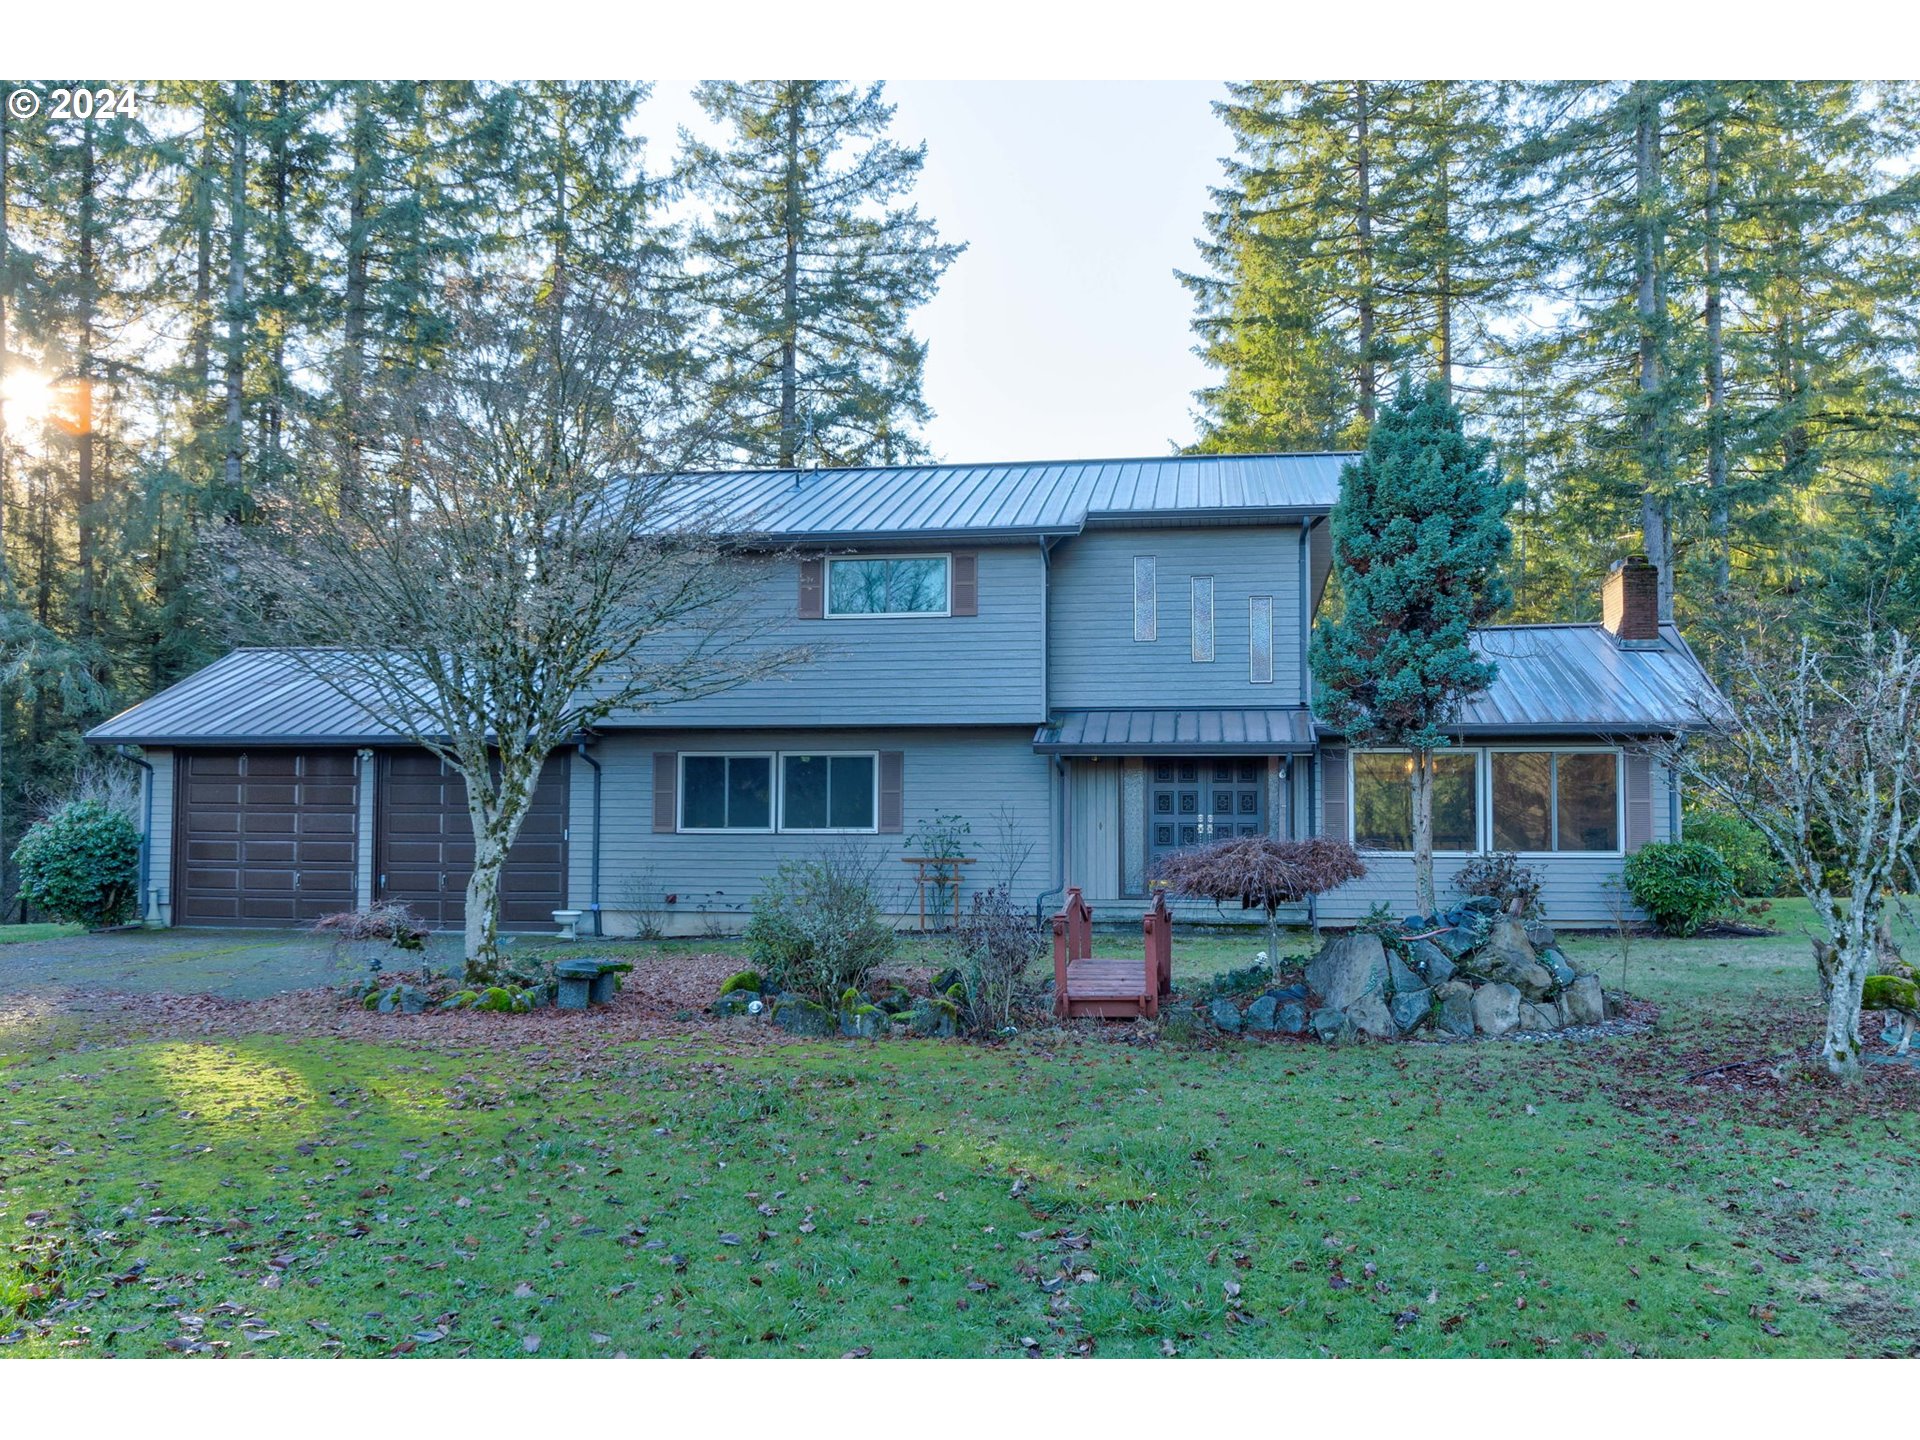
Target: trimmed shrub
x,y
816,929
1500,876
1682,884
1756,871
82,864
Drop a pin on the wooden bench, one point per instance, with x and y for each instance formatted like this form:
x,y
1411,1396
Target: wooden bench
x,y
1086,985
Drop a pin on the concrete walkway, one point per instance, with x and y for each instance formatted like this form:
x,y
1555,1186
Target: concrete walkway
x,y
233,964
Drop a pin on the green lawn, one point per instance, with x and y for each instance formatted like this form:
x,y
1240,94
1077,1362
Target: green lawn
x,y
1065,1194
17,934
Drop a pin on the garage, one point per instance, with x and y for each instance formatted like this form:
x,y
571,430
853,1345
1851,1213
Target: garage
x,y
265,837
424,849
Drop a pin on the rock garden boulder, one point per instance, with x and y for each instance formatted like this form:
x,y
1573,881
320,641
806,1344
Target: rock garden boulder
x,y
1350,966
1225,1016
1411,1008
1453,1012
1370,1016
1582,1003
1496,1008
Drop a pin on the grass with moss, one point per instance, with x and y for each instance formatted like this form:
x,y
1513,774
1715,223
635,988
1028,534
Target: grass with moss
x,y
1061,1195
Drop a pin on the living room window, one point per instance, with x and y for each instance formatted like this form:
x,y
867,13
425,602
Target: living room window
x,y
869,586
726,792
832,793
1383,800
1555,800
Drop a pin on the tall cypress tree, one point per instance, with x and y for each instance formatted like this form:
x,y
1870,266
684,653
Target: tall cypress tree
x,y
810,264
1419,536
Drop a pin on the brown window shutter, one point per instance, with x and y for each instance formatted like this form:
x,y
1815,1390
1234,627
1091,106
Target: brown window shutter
x,y
966,585
892,806
1333,794
813,583
1639,801
666,780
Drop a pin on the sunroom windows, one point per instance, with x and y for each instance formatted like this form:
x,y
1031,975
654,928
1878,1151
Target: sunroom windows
x,y
1534,801
1383,800
787,791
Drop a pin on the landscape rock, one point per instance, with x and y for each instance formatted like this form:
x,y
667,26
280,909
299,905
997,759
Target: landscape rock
x,y
1539,934
1557,965
798,1016
734,1002
1370,1016
1508,958
1431,961
1411,1008
1496,1008
932,1017
1459,940
1350,966
1454,1014
1482,905
1291,1018
1402,976
1225,1016
1260,1015
1539,1017
1583,1003
1328,1022
866,1023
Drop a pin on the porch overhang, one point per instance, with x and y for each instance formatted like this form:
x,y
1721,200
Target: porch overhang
x,y
1284,731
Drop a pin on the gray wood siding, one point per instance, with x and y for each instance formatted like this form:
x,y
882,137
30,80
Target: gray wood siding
x,y
982,669
1095,662
971,773
1576,890
160,838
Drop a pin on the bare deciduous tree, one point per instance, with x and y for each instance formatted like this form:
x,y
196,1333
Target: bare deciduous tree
x,y
512,568
1822,754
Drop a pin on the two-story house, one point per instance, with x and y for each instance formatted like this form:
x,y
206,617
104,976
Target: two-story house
x,y
1090,663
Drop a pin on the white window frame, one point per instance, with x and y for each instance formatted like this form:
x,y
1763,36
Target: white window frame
x,y
1553,801
772,757
826,588
780,792
1146,619
1480,818
1198,586
1254,677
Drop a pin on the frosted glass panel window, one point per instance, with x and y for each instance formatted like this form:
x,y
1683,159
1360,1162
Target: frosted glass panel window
x,y
1203,618
1260,640
1146,600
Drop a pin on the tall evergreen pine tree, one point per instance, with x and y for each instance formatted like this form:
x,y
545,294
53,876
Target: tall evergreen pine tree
x,y
1418,540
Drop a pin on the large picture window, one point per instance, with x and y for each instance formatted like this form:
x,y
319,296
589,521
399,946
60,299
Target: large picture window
x,y
726,792
895,585
828,792
1383,801
1548,800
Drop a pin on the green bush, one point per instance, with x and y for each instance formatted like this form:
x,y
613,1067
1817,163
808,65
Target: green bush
x,y
82,864
1682,884
1756,871
816,929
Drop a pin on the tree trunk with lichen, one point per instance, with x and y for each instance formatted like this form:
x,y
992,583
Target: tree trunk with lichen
x,y
496,805
1422,778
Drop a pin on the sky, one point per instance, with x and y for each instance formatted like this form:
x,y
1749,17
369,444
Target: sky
x,y
1061,332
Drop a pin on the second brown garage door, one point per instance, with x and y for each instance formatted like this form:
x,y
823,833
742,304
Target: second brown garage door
x,y
425,847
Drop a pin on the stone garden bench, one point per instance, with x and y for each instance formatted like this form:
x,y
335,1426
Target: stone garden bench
x,y
585,981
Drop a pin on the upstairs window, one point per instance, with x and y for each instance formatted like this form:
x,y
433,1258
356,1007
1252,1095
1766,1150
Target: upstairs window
x,y
1383,801
726,792
894,585
1203,619
1146,600
1260,640
1546,800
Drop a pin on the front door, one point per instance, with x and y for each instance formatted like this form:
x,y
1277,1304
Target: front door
x,y
1190,802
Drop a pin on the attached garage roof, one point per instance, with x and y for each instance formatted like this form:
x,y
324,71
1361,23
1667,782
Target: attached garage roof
x,y
1177,732
251,697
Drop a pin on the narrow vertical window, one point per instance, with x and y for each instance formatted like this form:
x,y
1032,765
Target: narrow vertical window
x,y
1260,640
1202,618
1146,600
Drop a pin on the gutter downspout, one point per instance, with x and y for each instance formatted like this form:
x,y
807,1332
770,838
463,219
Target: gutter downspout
x,y
146,824
1673,792
593,892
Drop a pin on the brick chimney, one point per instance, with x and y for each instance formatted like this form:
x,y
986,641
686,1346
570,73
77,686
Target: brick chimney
x,y
1630,602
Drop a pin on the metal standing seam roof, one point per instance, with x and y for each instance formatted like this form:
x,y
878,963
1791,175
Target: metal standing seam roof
x,y
1029,498
264,697
1577,677
1177,732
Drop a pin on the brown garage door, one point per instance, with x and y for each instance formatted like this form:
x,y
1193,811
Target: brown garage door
x,y
425,849
265,837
